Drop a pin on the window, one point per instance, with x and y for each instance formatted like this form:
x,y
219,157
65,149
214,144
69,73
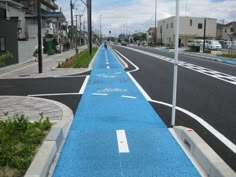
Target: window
x,y
231,30
172,25
2,44
225,30
166,26
191,22
199,25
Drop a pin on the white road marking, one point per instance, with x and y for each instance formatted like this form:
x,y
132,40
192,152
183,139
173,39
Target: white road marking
x,y
199,69
81,92
122,141
108,67
107,63
53,94
136,67
211,129
140,88
100,94
126,96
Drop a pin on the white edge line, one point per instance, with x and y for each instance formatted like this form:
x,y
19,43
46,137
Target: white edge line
x,y
53,94
122,141
139,87
211,129
81,92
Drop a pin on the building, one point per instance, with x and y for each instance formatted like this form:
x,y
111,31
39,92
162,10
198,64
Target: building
x,y
189,28
8,40
226,31
151,36
11,10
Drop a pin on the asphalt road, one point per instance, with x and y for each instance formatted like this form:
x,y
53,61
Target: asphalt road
x,y
58,89
209,98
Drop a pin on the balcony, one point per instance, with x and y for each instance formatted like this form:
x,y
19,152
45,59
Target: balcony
x,y
51,4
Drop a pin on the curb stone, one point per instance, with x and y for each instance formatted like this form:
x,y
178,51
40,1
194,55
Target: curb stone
x,y
213,165
41,163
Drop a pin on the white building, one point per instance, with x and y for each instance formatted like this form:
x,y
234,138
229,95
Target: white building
x,y
189,28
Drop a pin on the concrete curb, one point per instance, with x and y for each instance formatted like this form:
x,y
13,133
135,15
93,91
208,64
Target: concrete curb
x,y
122,62
47,152
213,165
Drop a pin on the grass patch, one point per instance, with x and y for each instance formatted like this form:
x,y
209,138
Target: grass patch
x,y
80,60
229,55
19,140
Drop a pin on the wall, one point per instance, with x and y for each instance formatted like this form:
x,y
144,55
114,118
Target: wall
x,y
9,31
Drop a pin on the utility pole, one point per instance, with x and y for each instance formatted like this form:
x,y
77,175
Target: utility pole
x,y
89,11
72,23
155,37
76,35
40,62
204,36
80,23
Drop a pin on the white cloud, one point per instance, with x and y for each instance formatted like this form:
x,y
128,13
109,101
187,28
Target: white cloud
x,y
140,16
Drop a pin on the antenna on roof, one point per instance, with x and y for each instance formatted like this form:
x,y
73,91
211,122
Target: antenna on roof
x,y
186,8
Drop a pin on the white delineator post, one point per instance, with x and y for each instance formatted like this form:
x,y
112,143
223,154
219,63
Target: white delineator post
x,y
175,76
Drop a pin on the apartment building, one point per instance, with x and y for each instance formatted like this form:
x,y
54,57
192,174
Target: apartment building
x,y
226,31
189,28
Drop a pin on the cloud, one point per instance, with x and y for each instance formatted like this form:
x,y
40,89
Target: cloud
x,y
138,15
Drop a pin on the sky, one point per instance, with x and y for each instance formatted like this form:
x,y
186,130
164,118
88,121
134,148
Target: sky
x,y
129,16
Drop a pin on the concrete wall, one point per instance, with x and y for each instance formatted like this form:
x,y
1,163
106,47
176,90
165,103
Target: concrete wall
x,y
9,32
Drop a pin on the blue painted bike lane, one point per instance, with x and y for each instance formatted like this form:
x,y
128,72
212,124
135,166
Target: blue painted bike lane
x,y
116,132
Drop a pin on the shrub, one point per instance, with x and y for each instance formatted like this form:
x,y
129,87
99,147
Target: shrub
x,y
4,57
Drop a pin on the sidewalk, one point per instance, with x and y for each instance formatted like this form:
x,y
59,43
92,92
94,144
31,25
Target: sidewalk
x,y
29,69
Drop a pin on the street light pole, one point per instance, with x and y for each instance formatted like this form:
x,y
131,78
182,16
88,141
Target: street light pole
x,y
175,65
40,62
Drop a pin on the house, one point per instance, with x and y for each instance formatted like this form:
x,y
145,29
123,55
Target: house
x,y
226,31
189,28
14,11
151,35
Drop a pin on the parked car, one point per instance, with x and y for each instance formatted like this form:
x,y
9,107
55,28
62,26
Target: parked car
x,y
225,44
233,44
123,43
213,45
